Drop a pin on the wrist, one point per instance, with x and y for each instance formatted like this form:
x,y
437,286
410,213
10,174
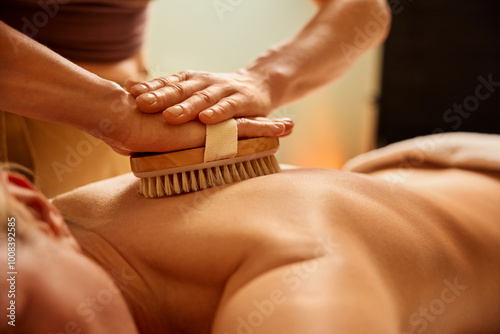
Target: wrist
x,y
107,115
275,75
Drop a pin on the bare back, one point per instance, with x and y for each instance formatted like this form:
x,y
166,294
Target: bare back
x,y
397,244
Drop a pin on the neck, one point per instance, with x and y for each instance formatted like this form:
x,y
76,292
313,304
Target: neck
x,y
128,282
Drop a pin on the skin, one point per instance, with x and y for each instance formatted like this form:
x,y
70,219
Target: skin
x,y
63,92
49,299
313,251
283,74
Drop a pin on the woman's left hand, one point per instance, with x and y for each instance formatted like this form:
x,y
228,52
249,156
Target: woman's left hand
x,y
210,97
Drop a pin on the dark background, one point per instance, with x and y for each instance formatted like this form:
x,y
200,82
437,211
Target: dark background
x,y
433,57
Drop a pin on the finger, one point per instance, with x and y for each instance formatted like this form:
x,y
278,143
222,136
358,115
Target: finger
x,y
235,105
261,127
190,108
192,134
288,126
165,97
146,86
130,83
163,137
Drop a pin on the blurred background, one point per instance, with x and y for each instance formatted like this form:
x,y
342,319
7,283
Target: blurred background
x,y
331,125
423,80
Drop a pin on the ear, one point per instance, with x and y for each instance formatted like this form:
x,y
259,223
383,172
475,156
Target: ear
x,y
49,220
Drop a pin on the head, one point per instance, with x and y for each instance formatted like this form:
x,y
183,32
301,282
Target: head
x,y
56,284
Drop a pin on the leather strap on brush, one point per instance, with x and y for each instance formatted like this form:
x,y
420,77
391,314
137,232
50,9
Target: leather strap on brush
x,y
221,141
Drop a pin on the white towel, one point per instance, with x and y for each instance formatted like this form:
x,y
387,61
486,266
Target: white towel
x,y
457,149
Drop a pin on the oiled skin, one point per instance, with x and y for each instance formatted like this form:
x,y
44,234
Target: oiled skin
x,y
330,252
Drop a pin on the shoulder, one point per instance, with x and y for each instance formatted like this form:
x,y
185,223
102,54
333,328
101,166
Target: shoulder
x,y
97,201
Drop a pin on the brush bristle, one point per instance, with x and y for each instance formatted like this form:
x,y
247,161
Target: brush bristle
x,y
185,182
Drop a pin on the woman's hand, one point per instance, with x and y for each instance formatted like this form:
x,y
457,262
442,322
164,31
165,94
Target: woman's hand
x,y
209,97
127,130
284,73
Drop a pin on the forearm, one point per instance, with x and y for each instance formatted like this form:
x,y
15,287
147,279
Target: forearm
x,y
339,34
37,83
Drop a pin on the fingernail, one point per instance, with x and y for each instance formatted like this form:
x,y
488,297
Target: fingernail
x,y
278,128
175,111
148,98
208,113
141,88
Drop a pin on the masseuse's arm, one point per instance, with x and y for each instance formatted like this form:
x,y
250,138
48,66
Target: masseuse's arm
x,y
36,82
337,36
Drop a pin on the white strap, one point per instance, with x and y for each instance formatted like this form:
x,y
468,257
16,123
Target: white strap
x,y
221,140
